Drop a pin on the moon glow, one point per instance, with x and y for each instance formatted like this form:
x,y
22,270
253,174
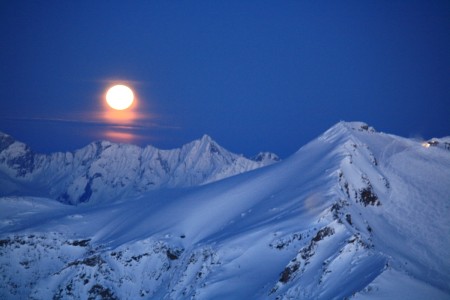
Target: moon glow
x,y
119,97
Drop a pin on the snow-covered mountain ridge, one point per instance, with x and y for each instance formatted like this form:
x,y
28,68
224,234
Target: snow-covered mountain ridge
x,y
354,214
105,170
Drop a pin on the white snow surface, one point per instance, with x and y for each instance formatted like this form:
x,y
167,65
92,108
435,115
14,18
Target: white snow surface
x,y
353,214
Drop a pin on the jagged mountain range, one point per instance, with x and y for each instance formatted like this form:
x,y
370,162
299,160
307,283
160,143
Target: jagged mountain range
x,y
354,214
103,171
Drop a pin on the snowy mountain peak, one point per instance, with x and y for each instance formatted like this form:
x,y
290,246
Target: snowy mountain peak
x,y
359,126
5,141
206,139
103,171
344,130
267,157
207,144
354,214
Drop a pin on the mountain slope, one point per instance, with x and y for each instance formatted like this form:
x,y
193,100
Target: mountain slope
x,y
353,214
105,171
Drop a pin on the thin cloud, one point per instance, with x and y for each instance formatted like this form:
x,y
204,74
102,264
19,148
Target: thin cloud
x,y
138,125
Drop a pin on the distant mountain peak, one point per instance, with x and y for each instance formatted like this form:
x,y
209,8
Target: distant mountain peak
x,y
5,141
211,145
266,157
104,170
206,138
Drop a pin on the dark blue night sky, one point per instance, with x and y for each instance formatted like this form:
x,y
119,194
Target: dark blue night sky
x,y
255,75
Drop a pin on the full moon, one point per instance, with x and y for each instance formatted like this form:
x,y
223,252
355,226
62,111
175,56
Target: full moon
x,y
119,97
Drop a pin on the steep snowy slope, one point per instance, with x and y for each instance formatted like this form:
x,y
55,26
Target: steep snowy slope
x,y
353,214
105,171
